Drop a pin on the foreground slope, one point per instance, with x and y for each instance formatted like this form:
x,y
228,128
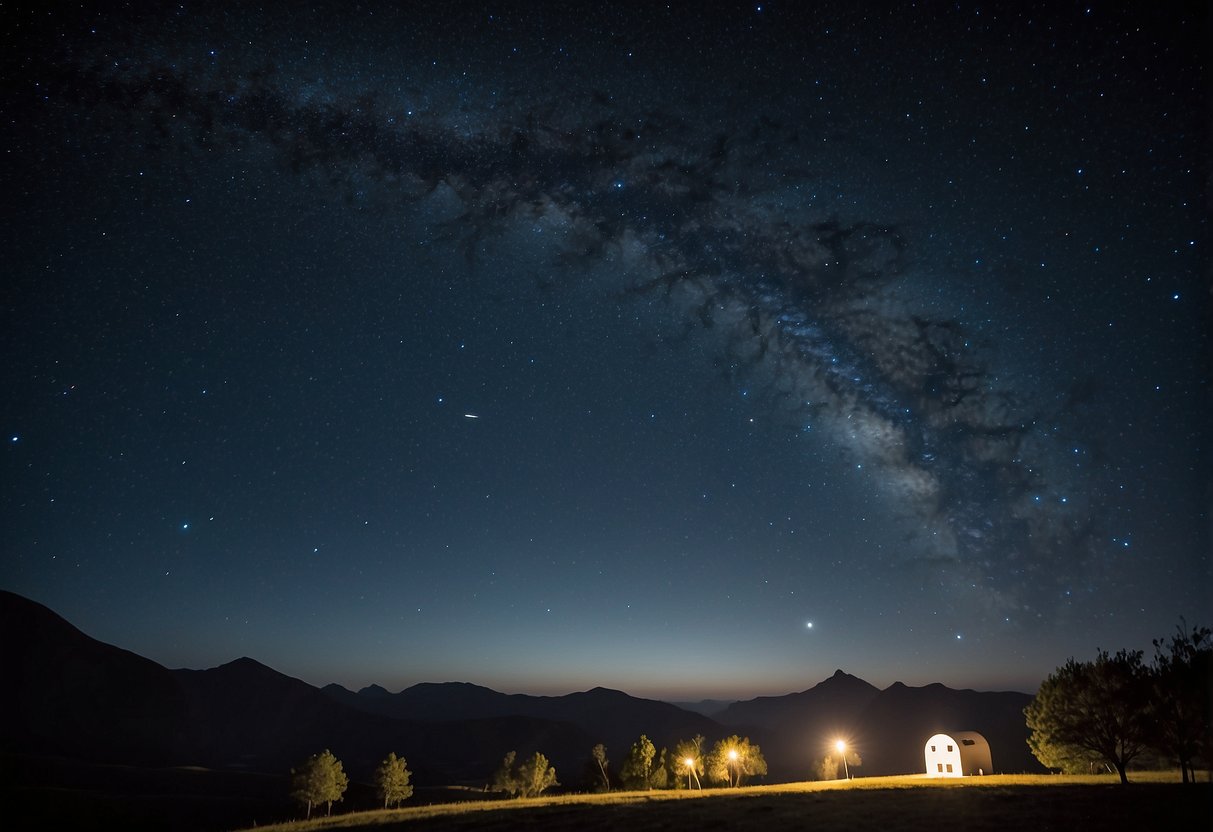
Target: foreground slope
x,y
904,803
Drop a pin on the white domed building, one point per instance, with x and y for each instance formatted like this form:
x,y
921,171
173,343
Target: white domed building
x,y
959,754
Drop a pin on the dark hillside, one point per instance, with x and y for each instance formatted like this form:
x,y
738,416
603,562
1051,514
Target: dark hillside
x,y
66,693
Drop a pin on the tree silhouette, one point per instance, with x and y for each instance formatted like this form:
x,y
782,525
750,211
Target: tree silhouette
x,y
688,756
535,775
392,780
505,779
599,756
637,769
528,779
734,758
319,780
1183,695
1090,711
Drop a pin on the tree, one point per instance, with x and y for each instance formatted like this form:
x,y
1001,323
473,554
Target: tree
x,y
320,780
599,756
535,775
688,756
1183,691
831,766
734,758
659,777
392,780
505,779
529,779
1090,711
638,767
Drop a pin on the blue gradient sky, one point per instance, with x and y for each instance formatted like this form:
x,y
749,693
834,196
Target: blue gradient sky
x,y
612,347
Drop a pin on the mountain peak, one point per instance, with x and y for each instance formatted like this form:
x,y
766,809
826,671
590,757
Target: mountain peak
x,y
246,665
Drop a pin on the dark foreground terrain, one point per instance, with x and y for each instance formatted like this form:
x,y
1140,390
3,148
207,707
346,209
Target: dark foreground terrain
x,y
1107,808
103,797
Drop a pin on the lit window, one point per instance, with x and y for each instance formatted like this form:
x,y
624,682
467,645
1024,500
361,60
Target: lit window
x,y
940,766
949,768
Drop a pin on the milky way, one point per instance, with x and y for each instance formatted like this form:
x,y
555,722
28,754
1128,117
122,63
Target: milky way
x,y
808,309
953,282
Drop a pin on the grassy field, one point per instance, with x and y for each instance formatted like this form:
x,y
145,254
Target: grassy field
x,y
912,803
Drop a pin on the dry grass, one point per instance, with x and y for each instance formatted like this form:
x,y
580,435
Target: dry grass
x,y
911,803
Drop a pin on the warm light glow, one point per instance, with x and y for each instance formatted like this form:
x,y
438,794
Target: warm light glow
x,y
689,762
732,753
841,745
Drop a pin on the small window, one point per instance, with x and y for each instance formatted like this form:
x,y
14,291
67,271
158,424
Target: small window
x,y
940,766
949,768
949,748
968,742
932,748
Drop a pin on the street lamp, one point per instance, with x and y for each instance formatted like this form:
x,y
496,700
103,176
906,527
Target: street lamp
x,y
689,762
842,749
732,765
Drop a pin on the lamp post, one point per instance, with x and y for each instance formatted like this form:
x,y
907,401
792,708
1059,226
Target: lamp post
x,y
689,762
842,749
732,765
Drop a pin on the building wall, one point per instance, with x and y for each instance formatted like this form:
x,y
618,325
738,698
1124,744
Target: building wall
x,y
943,757
964,754
974,754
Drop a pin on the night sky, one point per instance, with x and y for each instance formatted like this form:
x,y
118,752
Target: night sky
x,y
691,353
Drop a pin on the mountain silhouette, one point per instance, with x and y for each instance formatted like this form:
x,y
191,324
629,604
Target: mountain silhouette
x,y
887,728
605,716
77,697
901,718
66,693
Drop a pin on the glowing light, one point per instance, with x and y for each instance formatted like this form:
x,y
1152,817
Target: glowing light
x,y
842,750
689,762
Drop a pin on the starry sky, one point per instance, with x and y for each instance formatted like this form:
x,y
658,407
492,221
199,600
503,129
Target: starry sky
x,y
691,350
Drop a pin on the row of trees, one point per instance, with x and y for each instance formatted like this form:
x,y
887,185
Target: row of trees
x,y
1117,709
1110,711
322,779
729,762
